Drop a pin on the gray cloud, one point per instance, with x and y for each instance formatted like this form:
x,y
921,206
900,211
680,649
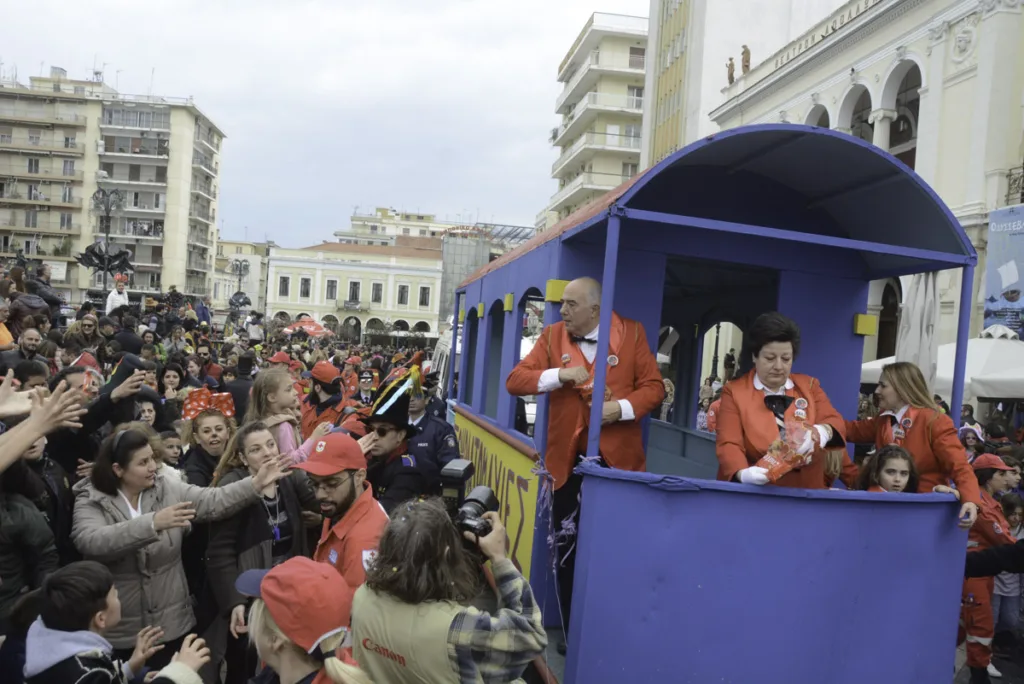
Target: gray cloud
x,y
436,105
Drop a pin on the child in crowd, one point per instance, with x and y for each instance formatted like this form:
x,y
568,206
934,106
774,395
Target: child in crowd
x,y
65,644
891,469
172,448
275,402
974,443
1006,602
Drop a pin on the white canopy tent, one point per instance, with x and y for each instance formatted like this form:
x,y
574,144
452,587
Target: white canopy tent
x,y
995,366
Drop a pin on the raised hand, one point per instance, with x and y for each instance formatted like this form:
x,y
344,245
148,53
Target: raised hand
x,y
193,654
178,515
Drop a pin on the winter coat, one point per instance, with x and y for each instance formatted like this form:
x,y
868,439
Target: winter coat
x,y
245,540
60,503
27,551
146,564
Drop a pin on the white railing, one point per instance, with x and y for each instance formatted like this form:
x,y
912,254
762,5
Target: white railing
x,y
601,60
610,140
602,181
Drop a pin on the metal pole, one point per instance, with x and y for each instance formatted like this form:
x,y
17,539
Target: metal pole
x,y
106,241
714,359
611,261
963,334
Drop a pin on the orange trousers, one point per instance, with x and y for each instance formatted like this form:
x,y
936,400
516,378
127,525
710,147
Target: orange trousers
x,y
977,626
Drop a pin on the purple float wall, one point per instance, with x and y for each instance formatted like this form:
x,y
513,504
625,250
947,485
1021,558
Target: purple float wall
x,y
692,581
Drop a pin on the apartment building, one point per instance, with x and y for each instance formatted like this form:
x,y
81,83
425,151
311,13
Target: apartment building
x,y
384,225
64,141
601,107
360,289
240,265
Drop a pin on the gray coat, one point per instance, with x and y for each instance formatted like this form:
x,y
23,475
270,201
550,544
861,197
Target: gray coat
x,y
146,564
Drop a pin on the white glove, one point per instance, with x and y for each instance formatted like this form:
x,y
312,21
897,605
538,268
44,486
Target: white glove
x,y
754,476
808,444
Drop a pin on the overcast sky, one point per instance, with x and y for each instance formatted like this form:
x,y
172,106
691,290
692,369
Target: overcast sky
x,y
440,106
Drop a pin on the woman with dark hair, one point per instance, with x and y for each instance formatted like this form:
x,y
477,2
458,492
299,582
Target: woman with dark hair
x,y
758,408
127,507
415,601
171,387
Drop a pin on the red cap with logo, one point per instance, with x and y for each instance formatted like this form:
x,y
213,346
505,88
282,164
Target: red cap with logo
x,y
332,454
309,601
280,357
325,372
986,461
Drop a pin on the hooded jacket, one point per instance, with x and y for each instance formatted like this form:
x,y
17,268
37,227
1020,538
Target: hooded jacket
x,y
27,551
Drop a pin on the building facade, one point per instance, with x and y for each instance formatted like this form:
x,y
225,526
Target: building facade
x,y
358,289
384,225
601,107
62,139
937,83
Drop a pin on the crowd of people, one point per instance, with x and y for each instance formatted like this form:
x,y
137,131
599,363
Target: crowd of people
x,y
169,497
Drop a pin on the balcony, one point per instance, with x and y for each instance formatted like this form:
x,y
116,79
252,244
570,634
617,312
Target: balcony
x,y
64,120
352,305
157,150
589,144
135,283
147,181
15,225
38,199
208,142
599,26
197,263
1015,186
583,185
44,175
144,208
196,289
204,163
36,145
133,229
586,110
146,266
207,190
196,239
201,214
115,118
594,66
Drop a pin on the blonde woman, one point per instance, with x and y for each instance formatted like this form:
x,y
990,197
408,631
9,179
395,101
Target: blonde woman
x,y
275,403
299,620
909,417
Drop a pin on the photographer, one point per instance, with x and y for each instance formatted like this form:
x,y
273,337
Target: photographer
x,y
410,622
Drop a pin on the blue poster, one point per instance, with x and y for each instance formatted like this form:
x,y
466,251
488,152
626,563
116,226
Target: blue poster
x,y
1004,271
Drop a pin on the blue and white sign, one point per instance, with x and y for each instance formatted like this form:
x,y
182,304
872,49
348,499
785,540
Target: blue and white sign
x,y
1004,272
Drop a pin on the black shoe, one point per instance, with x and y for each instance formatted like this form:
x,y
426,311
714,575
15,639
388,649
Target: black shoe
x,y
561,648
979,675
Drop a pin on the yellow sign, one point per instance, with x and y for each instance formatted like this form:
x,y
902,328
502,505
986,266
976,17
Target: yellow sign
x,y
506,470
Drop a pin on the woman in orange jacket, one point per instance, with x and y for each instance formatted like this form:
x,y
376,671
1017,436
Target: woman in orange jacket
x,y
909,417
756,407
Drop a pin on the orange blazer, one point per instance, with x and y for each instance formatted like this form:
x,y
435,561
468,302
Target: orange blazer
x,y
635,377
933,442
746,428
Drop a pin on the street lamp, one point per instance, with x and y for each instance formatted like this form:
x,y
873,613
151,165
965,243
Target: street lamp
x,y
240,267
105,203
714,359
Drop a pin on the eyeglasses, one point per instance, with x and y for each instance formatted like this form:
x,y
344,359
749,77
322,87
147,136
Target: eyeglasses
x,y
329,485
383,431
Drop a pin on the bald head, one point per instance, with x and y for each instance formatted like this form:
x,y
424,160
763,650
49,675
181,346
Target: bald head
x,y
581,306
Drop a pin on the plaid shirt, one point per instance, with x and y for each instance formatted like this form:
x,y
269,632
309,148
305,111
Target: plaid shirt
x,y
486,648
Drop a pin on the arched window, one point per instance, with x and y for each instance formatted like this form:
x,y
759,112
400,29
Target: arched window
x,y
493,380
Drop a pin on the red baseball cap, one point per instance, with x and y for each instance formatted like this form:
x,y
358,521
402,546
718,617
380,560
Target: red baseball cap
x,y
309,601
325,372
354,360
989,461
280,357
332,454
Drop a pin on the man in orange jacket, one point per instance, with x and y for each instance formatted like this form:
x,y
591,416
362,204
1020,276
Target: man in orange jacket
x,y
353,520
325,402
562,363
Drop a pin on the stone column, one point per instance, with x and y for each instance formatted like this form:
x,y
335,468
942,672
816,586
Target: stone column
x,y
881,119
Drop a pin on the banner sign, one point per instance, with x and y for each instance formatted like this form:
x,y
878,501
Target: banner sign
x,y
1004,270
506,470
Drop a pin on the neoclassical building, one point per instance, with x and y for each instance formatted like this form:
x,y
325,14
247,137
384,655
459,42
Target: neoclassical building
x,y
937,83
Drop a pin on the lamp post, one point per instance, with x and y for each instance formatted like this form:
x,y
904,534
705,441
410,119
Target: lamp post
x,y
240,267
714,359
106,203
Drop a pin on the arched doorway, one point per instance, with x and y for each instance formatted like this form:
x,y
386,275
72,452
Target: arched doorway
x,y
374,324
855,112
902,95
331,323
888,320
283,317
421,327
401,326
818,116
351,329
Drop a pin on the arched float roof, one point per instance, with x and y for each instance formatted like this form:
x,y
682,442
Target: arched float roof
x,y
783,179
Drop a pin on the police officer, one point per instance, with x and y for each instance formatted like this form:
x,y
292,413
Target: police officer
x,y
395,474
436,407
433,443
364,394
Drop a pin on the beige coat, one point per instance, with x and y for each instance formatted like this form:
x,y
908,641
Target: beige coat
x,y
146,564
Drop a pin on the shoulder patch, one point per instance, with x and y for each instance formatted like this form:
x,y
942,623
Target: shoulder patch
x,y
368,556
409,461
450,441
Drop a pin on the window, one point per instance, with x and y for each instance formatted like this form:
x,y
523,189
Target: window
x,y
69,167
373,228
424,296
238,250
5,134
377,293
353,290
136,199
161,174
332,290
34,137
70,142
65,220
216,290
107,168
283,286
67,194
33,191
406,231
422,232
403,295
629,169
31,219
305,285
33,166
635,97
134,172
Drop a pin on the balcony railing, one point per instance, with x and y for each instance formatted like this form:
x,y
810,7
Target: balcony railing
x,y
1015,186
148,180
134,284
130,229
598,181
207,189
161,149
196,290
607,140
21,171
197,263
35,143
200,214
55,120
39,199
201,160
17,225
197,238
597,59
207,140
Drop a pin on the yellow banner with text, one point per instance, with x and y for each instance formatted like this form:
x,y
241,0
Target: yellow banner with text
x,y
506,470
